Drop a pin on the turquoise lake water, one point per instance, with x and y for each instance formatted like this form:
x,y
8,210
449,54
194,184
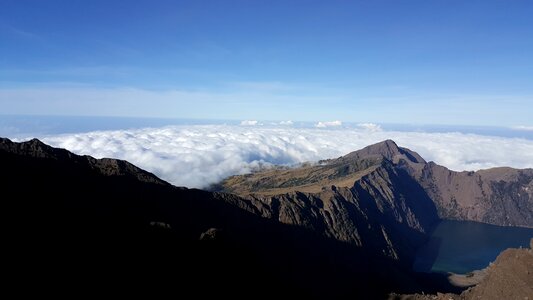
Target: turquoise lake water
x,y
461,247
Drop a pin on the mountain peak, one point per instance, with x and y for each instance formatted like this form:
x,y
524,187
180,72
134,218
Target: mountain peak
x,y
35,141
387,149
36,144
33,147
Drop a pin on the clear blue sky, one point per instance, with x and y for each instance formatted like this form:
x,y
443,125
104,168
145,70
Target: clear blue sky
x,y
445,62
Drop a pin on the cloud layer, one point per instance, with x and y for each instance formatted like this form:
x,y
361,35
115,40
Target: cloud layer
x,y
522,127
328,124
249,123
197,156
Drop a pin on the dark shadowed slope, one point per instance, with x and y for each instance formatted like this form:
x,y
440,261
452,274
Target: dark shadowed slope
x,y
74,222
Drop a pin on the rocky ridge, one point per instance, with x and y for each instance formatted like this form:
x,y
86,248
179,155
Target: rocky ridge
x,y
362,198
499,196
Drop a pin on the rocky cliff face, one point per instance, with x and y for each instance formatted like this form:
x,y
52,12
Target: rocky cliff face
x,y
396,183
499,196
364,198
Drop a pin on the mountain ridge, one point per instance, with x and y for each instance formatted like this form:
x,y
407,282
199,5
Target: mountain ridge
x,y
106,166
498,196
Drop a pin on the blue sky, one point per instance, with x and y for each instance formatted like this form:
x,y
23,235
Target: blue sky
x,y
440,62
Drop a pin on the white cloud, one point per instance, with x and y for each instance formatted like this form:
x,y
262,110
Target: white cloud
x,y
287,123
522,127
369,126
196,156
328,124
249,123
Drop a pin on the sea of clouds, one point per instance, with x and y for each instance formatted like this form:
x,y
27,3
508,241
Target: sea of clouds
x,y
198,156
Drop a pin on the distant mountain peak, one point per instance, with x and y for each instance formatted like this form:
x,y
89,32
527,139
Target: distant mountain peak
x,y
388,143
387,149
314,178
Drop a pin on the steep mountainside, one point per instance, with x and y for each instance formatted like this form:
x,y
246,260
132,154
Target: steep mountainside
x,y
500,196
362,198
74,222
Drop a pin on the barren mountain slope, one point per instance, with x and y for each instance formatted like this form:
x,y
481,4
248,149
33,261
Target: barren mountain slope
x,y
499,196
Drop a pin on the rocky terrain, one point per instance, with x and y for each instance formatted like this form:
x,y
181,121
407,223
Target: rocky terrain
x,y
363,198
499,196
